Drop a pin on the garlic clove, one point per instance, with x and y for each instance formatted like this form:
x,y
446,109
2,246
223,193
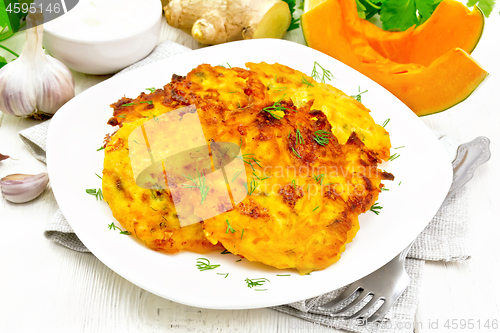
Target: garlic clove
x,y
19,188
3,157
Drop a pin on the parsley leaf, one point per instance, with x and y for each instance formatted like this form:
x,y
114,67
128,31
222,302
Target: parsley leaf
x,y
295,21
398,14
485,5
426,8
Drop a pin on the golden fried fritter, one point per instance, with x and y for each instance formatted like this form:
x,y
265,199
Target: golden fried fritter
x,y
310,152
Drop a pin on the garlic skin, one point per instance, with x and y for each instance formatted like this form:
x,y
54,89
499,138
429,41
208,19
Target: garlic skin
x,y
4,157
35,84
19,188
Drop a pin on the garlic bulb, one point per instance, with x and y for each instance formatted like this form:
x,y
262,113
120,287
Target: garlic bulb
x,y
20,188
35,84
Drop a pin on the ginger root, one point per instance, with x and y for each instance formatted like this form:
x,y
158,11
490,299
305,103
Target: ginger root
x,y
220,21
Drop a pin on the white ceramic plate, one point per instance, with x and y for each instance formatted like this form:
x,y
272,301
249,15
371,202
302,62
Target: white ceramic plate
x,y
423,177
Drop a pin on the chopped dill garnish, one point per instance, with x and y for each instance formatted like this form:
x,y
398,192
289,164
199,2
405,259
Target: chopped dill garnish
x,y
97,193
233,92
298,138
276,107
376,208
279,89
321,77
319,178
256,282
394,156
315,208
295,152
151,90
201,185
102,147
399,147
304,81
203,264
228,65
98,176
358,96
114,227
226,274
384,189
386,122
282,274
229,228
248,159
294,186
239,260
122,116
400,183
251,187
265,177
225,252
260,289
242,231
322,137
129,104
149,102
236,176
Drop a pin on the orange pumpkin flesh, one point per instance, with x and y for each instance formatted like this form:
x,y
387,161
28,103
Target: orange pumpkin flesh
x,y
451,25
335,29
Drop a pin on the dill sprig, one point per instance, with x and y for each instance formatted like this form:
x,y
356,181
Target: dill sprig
x,y
298,137
236,176
394,156
319,178
201,185
276,107
386,122
322,137
315,208
326,74
226,274
265,177
203,264
151,90
256,282
251,187
148,102
248,159
282,274
129,104
95,192
376,208
112,226
358,96
304,81
295,152
229,228
98,176
102,147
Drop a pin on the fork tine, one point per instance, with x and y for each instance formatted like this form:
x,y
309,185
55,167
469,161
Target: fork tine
x,y
380,312
365,309
339,299
351,305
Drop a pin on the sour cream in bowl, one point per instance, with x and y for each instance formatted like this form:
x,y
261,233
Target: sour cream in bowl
x,y
104,36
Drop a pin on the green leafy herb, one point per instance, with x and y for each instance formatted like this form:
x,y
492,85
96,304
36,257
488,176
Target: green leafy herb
x,y
98,176
203,264
295,152
201,184
315,208
225,252
322,137
485,5
226,274
279,89
251,187
384,189
304,81
298,137
295,21
97,193
249,159
233,92
228,65
276,107
239,260
260,289
236,176
394,156
358,96
399,147
112,226
102,147
256,282
386,122
229,228
282,274
149,102
151,90
376,208
129,104
319,178
242,231
326,74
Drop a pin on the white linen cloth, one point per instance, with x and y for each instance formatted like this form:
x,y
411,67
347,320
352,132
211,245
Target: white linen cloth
x,y
445,238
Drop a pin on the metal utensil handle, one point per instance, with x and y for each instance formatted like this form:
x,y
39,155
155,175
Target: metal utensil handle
x,y
470,155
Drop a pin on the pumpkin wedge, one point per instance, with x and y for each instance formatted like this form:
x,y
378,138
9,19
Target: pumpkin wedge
x,y
334,28
451,25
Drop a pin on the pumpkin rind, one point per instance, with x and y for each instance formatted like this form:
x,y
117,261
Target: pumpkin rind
x,y
335,29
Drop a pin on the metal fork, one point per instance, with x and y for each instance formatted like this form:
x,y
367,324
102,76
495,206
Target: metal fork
x,y
391,280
